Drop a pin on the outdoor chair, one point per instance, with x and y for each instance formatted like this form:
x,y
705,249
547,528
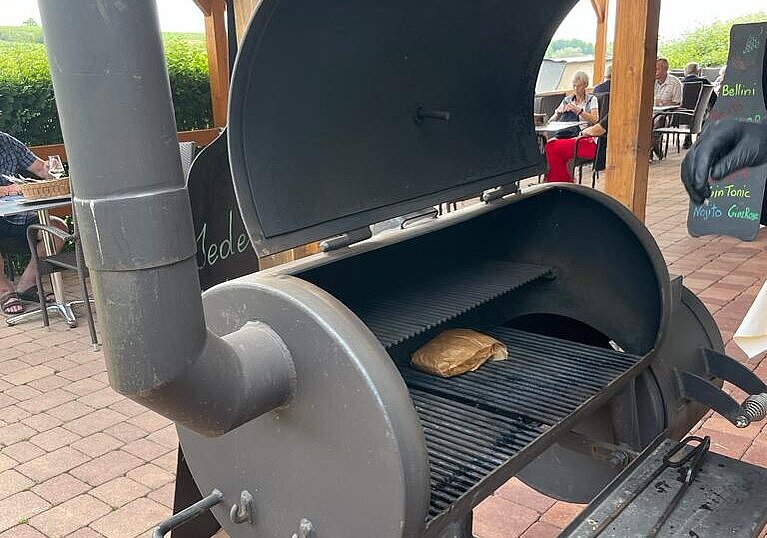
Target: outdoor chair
x,y
690,95
66,260
598,163
686,122
548,103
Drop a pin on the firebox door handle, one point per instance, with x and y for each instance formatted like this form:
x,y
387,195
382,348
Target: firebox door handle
x,y
423,114
729,369
693,387
188,513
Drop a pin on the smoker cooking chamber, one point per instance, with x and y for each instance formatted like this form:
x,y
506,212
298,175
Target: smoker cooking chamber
x,y
482,428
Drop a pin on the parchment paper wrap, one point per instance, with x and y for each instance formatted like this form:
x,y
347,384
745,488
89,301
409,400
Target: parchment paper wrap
x,y
751,336
457,351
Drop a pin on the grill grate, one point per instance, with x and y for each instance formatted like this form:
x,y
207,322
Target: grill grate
x,y
429,301
479,422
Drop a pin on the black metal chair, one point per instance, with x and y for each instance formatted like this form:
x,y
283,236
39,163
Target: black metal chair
x,y
600,158
67,260
690,95
686,122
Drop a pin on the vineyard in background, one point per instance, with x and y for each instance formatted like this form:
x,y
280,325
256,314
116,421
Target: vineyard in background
x,y
27,104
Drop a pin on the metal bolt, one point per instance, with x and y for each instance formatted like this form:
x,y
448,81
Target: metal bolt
x,y
741,421
305,529
618,459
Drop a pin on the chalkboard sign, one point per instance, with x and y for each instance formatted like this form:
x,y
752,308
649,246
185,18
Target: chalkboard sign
x,y
736,201
224,250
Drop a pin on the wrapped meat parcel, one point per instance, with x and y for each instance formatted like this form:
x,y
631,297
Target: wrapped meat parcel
x,y
457,351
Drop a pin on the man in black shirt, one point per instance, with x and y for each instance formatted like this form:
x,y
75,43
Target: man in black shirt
x,y
604,87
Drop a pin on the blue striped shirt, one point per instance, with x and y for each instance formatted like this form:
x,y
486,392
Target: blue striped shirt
x,y
14,156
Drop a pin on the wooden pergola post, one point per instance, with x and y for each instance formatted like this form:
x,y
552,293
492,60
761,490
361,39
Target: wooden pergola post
x,y
243,10
600,47
631,102
218,60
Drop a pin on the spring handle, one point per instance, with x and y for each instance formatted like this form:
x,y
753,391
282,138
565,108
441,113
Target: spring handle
x,y
755,407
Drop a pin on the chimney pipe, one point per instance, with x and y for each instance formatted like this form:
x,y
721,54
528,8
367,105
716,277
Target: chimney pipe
x,y
114,101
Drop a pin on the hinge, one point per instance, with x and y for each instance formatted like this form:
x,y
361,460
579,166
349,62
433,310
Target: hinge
x,y
499,192
346,239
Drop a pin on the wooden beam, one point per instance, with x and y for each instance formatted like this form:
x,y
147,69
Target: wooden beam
x,y
600,47
599,9
631,101
203,137
204,6
218,59
243,10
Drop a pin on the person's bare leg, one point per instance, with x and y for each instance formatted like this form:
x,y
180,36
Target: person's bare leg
x,y
27,278
6,286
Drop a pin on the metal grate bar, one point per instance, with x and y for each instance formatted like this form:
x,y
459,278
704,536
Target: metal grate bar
x,y
481,422
425,303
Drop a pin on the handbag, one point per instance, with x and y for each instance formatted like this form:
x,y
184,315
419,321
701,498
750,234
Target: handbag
x,y
572,132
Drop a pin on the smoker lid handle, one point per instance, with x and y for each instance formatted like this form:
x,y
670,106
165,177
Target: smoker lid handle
x,y
187,514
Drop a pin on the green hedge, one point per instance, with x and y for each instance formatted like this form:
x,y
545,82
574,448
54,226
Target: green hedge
x,y
27,105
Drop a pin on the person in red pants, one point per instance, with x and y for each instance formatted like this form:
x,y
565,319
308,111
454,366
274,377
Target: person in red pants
x,y
560,152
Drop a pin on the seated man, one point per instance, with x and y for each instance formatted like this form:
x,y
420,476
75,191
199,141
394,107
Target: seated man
x,y
668,91
14,156
604,86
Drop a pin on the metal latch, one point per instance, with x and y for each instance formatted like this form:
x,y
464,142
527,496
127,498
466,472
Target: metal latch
x,y
346,239
697,388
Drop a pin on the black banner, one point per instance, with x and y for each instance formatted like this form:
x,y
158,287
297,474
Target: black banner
x,y
224,250
736,202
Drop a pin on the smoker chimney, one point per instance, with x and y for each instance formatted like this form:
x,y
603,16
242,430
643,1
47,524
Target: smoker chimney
x,y
114,101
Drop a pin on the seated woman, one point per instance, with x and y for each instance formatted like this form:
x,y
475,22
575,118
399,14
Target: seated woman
x,y
580,106
560,152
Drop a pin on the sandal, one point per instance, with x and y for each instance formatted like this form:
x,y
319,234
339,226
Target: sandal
x,y
31,295
11,304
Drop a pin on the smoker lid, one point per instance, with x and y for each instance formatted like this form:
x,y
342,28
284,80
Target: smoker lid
x,y
348,112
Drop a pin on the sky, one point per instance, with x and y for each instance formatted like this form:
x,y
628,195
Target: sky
x,y
675,18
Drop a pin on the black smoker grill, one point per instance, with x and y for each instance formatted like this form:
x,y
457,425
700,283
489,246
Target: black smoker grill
x,y
296,407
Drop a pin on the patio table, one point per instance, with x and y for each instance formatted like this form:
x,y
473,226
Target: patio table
x,y
543,132
554,127
13,205
664,108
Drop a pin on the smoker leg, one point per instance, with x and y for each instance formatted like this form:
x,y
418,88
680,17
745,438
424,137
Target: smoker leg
x,y
187,493
459,529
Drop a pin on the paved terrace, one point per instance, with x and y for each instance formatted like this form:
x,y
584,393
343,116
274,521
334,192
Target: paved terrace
x,y
79,460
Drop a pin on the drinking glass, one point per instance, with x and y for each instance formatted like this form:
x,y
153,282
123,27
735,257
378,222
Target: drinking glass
x,y
55,167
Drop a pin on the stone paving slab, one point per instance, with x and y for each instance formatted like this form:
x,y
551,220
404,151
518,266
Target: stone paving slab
x,y
79,460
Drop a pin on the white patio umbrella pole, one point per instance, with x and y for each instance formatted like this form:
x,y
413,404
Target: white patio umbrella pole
x,y
114,101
